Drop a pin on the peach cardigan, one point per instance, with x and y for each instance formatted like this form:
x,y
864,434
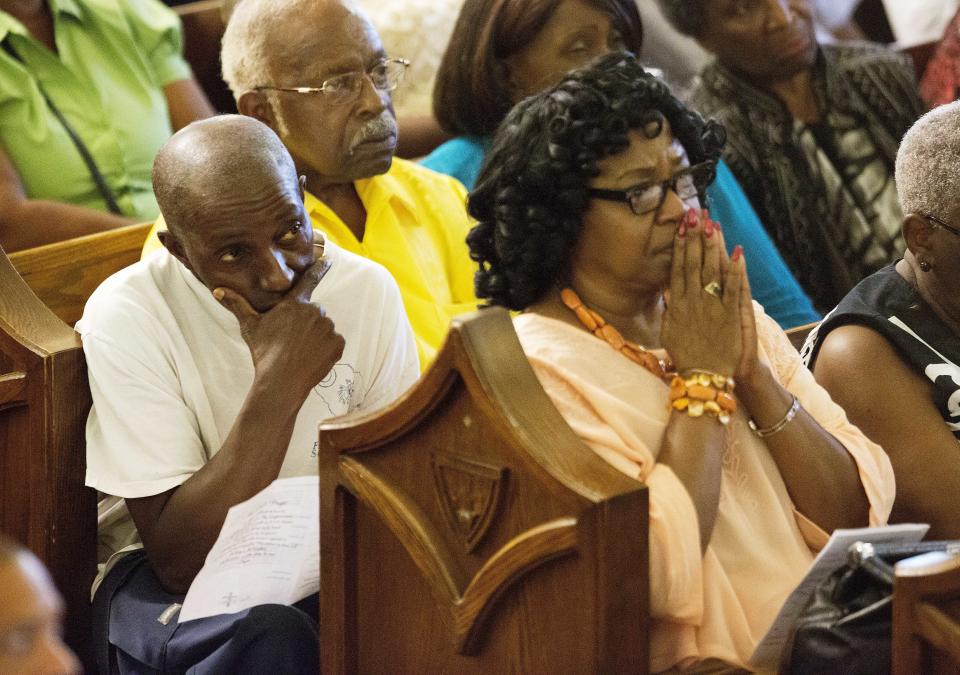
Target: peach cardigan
x,y
717,605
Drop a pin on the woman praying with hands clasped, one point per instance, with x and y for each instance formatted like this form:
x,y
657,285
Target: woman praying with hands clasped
x,y
644,334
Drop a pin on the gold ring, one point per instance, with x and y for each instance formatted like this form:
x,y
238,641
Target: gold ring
x,y
714,288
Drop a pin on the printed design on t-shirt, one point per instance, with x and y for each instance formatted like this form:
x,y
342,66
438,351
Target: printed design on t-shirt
x,y
806,351
341,390
935,370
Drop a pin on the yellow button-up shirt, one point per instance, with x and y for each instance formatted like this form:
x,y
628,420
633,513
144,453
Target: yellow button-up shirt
x,y
416,227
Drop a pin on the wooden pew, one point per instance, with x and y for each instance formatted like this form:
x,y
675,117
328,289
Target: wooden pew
x,y
926,615
65,273
44,399
202,32
798,334
467,529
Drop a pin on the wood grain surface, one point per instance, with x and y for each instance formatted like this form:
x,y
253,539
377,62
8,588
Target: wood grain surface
x,y
926,616
467,529
44,399
64,274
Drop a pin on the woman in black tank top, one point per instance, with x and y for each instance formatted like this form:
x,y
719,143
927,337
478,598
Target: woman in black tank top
x,y
889,353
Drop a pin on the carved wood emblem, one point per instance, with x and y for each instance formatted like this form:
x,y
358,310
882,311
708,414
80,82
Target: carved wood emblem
x,y
469,494
470,608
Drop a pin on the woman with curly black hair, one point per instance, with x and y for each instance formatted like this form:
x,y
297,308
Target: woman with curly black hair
x,y
589,223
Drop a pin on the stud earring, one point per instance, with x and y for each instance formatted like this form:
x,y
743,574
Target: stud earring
x,y
925,266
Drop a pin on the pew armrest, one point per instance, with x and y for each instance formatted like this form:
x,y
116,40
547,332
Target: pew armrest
x,y
65,273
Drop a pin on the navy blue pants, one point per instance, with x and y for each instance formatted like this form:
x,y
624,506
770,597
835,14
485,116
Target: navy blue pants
x,y
130,608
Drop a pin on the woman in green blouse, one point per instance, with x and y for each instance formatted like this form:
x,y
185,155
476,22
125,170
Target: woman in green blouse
x,y
106,79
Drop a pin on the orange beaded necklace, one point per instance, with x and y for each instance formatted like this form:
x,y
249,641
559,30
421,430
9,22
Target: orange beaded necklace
x,y
596,324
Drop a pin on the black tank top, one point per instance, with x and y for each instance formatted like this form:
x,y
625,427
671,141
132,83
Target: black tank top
x,y
886,303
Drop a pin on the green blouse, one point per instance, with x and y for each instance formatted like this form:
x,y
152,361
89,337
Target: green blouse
x,y
115,57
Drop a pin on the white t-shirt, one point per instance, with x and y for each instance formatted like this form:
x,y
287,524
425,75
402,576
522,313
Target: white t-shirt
x,y
169,371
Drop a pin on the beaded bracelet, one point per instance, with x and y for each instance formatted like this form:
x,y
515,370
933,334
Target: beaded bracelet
x,y
700,391
770,431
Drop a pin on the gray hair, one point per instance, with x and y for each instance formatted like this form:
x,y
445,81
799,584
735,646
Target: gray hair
x,y
250,38
927,173
255,33
684,15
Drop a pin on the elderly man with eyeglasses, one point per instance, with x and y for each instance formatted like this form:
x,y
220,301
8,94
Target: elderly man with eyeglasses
x,y
315,71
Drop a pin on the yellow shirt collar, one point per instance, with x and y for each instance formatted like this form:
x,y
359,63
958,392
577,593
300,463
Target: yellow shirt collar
x,y
373,192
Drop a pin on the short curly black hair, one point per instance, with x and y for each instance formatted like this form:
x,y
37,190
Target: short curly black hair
x,y
531,194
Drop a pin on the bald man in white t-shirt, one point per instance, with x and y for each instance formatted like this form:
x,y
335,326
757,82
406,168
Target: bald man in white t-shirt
x,y
210,364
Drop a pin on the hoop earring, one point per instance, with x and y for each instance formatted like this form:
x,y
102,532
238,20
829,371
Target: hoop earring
x,y
925,266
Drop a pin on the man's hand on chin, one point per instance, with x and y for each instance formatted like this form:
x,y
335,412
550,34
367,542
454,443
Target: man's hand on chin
x,y
293,344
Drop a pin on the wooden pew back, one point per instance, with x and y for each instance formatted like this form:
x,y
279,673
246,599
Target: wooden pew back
x,y
64,274
44,399
798,334
926,615
467,529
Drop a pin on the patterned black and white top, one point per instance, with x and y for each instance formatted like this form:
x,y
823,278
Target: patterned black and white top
x,y
886,303
823,191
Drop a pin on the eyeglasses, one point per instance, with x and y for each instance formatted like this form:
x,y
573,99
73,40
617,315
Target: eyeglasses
x,y
642,199
385,76
949,228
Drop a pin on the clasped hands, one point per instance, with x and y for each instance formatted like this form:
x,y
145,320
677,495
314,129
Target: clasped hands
x,y
709,322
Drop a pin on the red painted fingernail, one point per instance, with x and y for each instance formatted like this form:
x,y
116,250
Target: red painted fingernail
x,y
737,253
716,225
708,228
692,221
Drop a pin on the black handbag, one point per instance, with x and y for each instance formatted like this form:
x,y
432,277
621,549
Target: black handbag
x,y
846,625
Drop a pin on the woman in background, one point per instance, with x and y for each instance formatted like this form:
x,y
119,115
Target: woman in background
x,y
813,132
890,352
524,47
89,91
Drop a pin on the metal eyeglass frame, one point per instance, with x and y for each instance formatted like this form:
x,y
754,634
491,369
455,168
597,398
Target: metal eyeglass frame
x,y
326,86
947,226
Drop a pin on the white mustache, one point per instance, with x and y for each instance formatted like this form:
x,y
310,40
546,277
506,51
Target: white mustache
x,y
378,127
